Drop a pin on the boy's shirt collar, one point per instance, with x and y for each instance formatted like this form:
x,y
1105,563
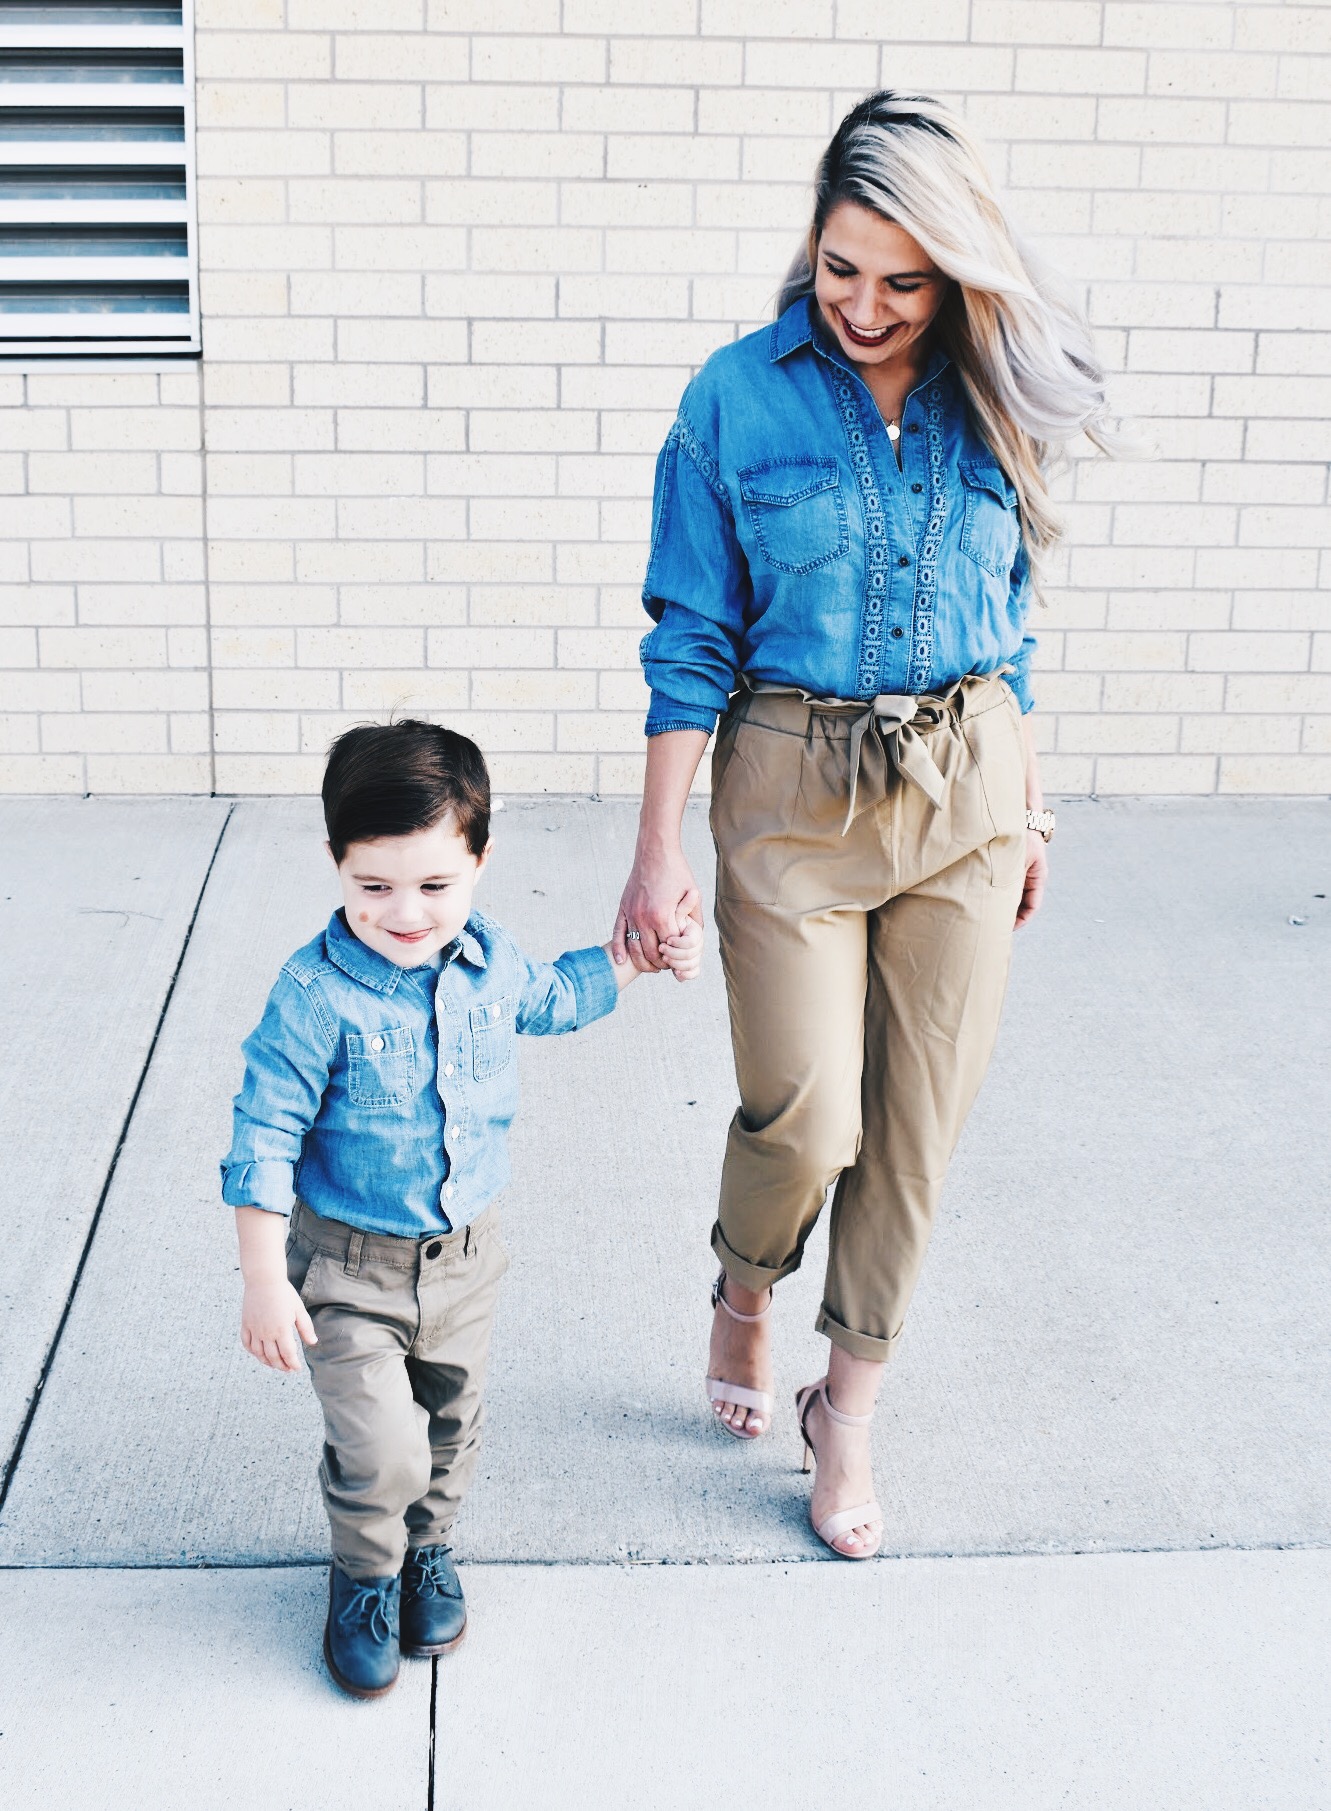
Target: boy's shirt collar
x,y
367,966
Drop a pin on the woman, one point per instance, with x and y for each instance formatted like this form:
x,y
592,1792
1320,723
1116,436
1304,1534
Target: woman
x,y
848,513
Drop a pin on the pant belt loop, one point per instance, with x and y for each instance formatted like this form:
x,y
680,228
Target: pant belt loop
x,y
355,1245
466,1242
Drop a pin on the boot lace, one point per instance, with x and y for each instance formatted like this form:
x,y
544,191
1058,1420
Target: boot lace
x,y
372,1607
432,1575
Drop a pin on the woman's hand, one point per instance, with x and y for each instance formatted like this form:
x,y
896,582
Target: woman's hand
x,y
659,898
661,894
1037,873
1037,850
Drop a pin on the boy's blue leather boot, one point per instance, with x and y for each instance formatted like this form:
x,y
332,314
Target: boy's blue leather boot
x,y
434,1612
360,1636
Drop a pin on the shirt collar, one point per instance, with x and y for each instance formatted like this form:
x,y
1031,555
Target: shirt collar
x,y
799,326
371,969
792,329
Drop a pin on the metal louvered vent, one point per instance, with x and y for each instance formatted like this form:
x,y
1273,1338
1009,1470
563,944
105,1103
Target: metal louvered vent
x,y
97,253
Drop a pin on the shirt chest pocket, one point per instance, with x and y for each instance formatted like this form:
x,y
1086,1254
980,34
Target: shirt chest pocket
x,y
492,1029
797,512
990,529
381,1066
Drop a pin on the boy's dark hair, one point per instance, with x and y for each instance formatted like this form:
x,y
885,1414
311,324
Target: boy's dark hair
x,y
390,779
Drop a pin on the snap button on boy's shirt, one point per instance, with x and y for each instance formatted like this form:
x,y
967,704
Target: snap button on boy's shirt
x,y
381,1095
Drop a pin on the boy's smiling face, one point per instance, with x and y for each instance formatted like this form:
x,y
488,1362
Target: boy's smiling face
x,y
409,896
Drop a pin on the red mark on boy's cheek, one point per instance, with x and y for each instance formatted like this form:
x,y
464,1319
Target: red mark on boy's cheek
x,y
365,917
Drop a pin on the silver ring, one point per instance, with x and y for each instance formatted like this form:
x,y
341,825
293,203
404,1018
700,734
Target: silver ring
x,y
633,936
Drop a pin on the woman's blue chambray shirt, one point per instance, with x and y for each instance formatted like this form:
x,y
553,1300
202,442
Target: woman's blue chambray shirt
x,y
787,545
383,1095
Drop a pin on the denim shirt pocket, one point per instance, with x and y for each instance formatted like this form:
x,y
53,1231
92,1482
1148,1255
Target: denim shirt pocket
x,y
381,1066
797,511
492,1028
990,529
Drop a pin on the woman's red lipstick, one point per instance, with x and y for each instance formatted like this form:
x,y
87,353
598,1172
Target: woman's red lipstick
x,y
858,337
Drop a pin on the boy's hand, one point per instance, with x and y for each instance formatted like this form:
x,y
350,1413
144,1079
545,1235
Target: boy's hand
x,y
271,1316
682,953
272,1313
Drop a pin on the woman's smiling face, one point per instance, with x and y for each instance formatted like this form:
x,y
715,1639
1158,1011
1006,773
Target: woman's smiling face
x,y
878,289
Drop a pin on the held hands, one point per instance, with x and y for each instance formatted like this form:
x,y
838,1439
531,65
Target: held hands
x,y
682,953
660,900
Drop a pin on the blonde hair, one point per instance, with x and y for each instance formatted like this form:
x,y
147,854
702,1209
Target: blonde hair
x,y
1023,348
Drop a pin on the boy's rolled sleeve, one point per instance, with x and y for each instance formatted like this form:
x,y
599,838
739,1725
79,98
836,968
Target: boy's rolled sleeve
x,y
565,995
287,1060
267,1182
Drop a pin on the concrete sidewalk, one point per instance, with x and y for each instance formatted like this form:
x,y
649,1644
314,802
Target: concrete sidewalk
x,y
1120,1345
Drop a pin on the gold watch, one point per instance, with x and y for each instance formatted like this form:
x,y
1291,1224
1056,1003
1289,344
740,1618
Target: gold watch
x,y
1042,822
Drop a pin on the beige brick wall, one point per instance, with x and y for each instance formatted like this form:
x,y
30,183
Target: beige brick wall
x,y
459,259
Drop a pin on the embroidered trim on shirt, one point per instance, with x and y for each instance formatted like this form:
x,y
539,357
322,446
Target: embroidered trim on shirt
x,y
684,436
926,576
875,540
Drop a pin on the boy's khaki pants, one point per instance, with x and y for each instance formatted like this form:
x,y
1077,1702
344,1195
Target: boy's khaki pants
x,y
403,1331
865,973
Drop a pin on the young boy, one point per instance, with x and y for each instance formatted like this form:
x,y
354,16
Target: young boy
x,y
379,1089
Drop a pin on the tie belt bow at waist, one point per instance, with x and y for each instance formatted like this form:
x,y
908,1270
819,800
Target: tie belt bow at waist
x,y
884,737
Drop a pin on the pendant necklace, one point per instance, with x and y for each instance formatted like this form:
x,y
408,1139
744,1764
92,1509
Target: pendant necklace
x,y
894,429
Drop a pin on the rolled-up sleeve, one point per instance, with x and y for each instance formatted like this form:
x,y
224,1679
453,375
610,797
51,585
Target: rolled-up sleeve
x,y
287,1062
696,590
565,995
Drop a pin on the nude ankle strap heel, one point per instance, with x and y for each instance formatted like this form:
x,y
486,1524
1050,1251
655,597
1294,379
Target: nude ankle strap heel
x,y
834,1527
718,1390
719,1301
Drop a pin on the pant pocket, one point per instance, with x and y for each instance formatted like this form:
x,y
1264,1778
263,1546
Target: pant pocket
x,y
299,1258
755,791
998,750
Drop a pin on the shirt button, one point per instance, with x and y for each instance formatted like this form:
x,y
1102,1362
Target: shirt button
x,y
913,427
917,488
448,1192
897,634
376,1043
448,1068
904,560
495,1011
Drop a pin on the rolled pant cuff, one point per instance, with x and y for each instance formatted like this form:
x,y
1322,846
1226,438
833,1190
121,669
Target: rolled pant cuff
x,y
859,1345
749,1276
434,1536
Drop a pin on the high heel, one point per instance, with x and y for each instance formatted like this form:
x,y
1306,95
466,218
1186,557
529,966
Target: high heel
x,y
720,1391
833,1527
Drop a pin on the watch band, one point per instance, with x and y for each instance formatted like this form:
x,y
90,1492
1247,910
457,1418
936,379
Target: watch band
x,y
1042,822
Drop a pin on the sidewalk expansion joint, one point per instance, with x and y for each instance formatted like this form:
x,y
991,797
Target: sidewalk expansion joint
x,y
12,1471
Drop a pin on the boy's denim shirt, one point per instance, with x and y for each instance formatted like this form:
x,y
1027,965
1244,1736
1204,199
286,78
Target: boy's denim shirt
x,y
787,545
381,1106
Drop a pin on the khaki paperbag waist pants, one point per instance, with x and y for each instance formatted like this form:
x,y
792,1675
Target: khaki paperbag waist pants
x,y
866,963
